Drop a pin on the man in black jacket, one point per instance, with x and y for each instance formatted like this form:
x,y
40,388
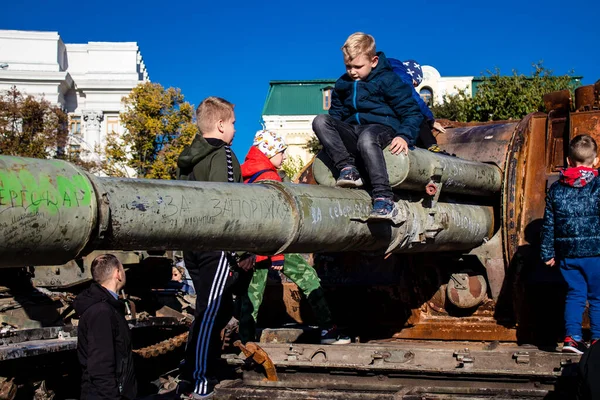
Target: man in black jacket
x,y
104,340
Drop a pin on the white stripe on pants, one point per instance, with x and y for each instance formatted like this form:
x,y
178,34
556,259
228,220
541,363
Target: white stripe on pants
x,y
207,323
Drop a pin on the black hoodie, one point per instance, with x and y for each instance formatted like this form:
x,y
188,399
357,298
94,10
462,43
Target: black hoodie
x,y
104,346
207,162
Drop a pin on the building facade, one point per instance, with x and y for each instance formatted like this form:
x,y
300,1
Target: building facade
x,y
291,106
87,81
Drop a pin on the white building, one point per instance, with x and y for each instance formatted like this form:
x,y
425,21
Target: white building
x,y
434,86
291,106
87,81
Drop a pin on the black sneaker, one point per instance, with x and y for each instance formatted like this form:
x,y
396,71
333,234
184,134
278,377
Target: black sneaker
x,y
349,178
332,336
384,209
571,345
185,391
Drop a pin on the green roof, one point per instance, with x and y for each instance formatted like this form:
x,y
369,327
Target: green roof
x,y
296,97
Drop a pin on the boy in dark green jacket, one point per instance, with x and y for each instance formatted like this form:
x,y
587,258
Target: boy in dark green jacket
x,y
208,158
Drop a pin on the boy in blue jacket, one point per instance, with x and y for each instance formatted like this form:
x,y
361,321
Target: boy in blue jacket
x,y
571,238
371,108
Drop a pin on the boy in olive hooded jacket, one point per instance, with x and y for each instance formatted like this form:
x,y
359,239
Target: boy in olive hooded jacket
x,y
208,158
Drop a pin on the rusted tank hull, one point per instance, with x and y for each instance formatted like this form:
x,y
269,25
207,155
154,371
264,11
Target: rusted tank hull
x,y
524,299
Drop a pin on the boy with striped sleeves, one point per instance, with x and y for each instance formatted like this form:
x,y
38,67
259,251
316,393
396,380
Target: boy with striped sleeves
x,y
208,158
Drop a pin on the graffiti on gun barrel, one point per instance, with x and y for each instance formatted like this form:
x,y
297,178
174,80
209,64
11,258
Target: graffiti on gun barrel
x,y
235,208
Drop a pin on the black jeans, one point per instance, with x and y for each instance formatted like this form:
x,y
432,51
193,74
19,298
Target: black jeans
x,y
343,142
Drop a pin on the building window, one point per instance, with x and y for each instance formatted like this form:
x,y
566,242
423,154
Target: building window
x,y
327,97
75,125
427,95
112,125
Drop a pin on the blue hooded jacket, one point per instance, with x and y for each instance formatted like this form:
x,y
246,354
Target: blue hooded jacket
x,y
382,98
399,68
571,221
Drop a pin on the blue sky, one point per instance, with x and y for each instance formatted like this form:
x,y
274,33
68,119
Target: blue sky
x,y
234,48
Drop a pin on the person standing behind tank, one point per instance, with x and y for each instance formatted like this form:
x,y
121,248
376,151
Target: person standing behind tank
x,y
265,157
571,238
208,158
371,108
103,336
411,73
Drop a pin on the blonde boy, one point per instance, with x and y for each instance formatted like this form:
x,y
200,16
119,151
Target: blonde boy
x,y
371,108
208,158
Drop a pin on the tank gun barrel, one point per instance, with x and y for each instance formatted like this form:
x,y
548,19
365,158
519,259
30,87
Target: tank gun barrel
x,y
416,169
52,212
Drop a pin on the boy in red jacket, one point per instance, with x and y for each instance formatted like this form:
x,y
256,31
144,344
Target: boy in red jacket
x,y
262,162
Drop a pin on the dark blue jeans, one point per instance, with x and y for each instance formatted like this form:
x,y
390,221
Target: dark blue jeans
x,y
343,142
583,280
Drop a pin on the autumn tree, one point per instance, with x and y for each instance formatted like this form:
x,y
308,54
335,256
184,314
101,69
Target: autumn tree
x,y
292,165
30,127
501,97
159,124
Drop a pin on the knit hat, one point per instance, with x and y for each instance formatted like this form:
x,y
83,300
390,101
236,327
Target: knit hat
x,y
269,143
413,69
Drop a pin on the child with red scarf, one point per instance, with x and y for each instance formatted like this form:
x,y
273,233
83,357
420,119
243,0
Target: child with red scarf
x,y
265,157
571,238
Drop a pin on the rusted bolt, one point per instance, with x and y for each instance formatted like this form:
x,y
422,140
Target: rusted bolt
x,y
431,189
521,357
463,358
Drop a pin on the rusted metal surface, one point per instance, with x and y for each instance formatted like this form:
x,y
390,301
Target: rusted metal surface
x,y
585,98
237,390
560,100
254,352
466,291
413,367
556,140
486,143
491,257
585,123
163,347
445,328
525,185
8,389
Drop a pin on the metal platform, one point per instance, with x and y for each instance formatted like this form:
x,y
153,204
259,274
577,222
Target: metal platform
x,y
406,370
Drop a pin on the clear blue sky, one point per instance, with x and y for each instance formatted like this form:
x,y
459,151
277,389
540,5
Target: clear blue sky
x,y
234,48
